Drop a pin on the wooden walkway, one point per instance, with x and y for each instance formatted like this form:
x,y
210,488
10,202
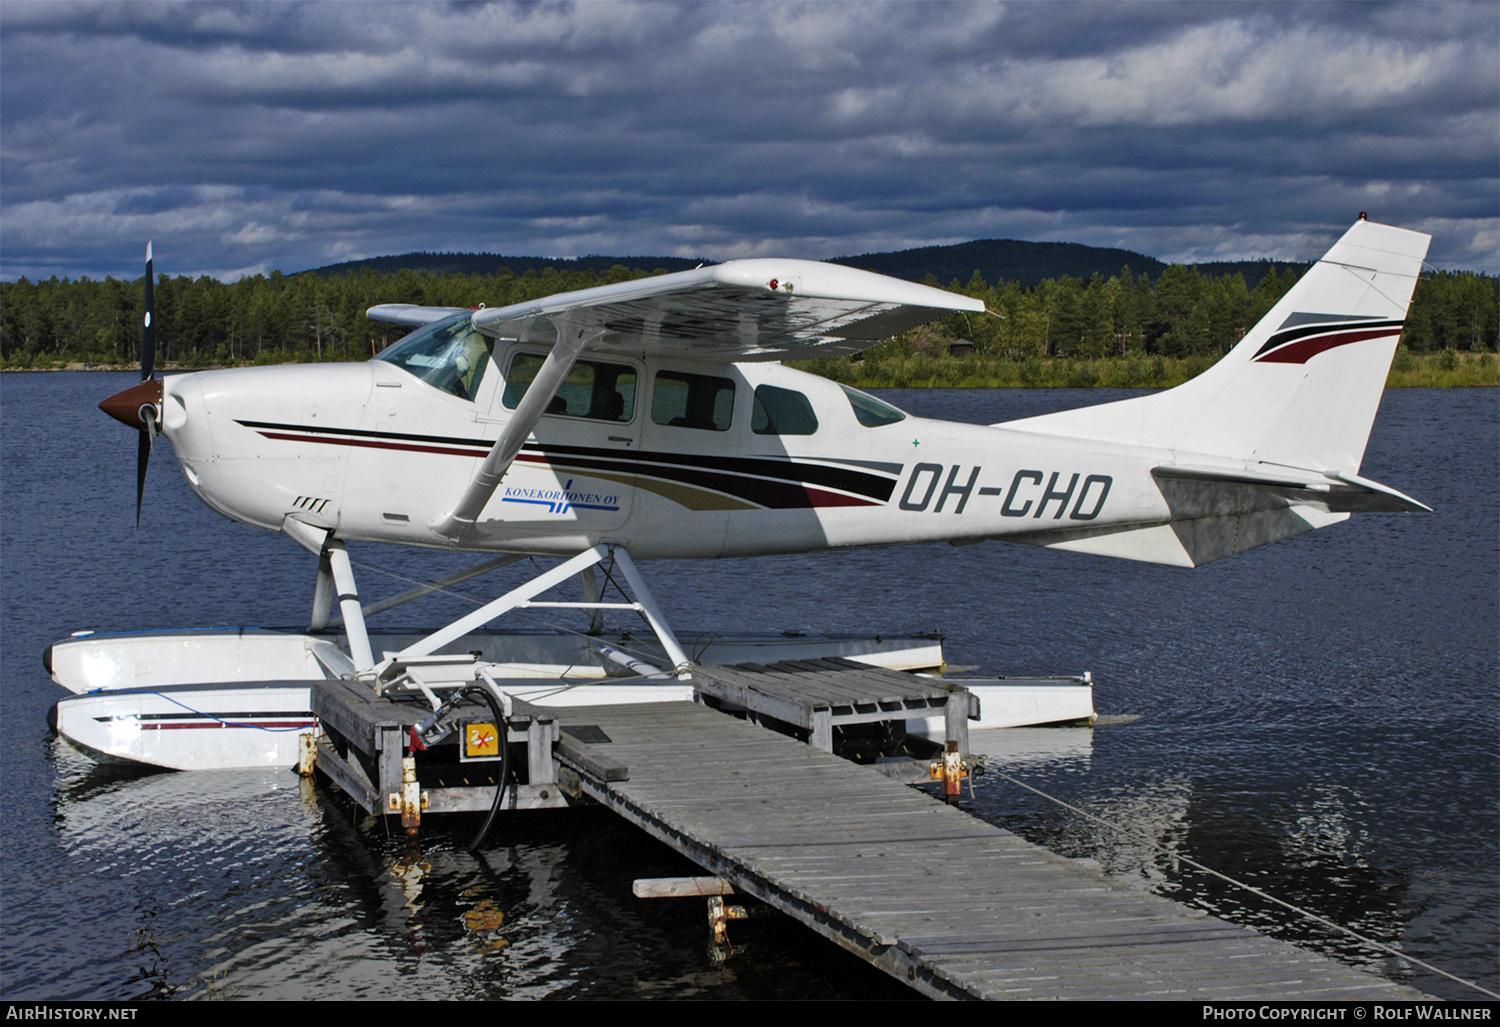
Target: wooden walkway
x,y
952,906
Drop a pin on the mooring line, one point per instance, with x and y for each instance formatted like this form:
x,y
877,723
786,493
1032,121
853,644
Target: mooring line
x,y
1155,847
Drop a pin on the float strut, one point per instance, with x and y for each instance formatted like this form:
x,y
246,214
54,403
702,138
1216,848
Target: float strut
x,y
348,597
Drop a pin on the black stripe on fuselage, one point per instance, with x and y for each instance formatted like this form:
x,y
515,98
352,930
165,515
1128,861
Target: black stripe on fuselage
x,y
682,466
701,469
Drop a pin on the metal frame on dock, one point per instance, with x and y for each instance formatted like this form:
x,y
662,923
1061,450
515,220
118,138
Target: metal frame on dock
x,y
365,732
364,749
818,696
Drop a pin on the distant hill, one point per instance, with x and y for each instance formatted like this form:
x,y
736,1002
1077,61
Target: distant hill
x,y
1004,259
1028,263
1252,271
489,263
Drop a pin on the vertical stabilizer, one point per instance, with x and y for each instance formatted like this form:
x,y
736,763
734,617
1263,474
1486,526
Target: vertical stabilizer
x,y
1301,389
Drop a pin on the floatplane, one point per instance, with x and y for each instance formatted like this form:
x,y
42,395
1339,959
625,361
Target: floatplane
x,y
653,419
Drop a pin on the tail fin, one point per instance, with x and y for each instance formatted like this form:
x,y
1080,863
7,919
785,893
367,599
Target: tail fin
x,y
1302,387
1267,443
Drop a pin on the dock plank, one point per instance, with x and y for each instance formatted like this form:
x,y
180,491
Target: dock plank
x,y
949,904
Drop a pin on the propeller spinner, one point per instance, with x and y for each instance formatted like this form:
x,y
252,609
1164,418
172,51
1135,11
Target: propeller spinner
x,y
140,405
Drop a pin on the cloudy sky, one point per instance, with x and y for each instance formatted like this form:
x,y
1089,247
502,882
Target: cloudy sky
x,y
247,137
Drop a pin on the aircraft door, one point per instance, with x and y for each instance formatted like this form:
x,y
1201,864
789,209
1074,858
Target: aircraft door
x,y
576,473
691,476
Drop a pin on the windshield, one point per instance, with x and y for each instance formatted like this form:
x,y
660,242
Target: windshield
x,y
447,354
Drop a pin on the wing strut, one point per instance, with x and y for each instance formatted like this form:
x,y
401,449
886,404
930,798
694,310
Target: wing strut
x,y
572,339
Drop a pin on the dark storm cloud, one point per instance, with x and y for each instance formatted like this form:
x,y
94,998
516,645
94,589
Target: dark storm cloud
x,y
247,137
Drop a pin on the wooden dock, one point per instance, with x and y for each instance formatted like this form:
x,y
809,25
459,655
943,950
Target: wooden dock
x,y
952,906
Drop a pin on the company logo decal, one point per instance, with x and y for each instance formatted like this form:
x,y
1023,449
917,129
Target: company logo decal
x,y
560,501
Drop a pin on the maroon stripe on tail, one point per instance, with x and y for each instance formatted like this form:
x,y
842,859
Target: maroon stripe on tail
x,y
1302,350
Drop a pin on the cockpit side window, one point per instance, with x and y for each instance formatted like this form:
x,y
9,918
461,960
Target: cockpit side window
x,y
683,400
593,389
871,412
446,354
780,411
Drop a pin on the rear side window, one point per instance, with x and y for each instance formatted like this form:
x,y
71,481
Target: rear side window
x,y
782,412
684,400
872,412
596,390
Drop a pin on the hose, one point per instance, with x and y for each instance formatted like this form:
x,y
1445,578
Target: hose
x,y
503,727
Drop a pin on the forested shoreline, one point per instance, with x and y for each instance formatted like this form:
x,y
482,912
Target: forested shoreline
x,y
1125,330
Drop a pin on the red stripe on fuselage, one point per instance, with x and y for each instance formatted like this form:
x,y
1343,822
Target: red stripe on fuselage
x,y
410,447
820,498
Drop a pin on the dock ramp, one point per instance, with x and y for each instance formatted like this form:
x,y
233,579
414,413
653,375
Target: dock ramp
x,y
954,907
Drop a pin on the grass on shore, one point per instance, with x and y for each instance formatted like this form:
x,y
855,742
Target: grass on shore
x,y
1444,369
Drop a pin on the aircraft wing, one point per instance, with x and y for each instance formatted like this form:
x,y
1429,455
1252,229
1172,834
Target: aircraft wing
x,y
411,314
760,309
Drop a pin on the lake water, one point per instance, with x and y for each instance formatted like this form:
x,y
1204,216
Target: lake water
x,y
1317,718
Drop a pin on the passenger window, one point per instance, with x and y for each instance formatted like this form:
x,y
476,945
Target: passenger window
x,y
683,400
599,391
782,412
872,412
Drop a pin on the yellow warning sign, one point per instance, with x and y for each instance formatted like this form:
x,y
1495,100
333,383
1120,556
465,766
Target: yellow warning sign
x,y
481,740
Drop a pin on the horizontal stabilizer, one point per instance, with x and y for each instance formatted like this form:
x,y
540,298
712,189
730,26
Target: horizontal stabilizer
x,y
1219,511
1338,491
1190,542
1372,496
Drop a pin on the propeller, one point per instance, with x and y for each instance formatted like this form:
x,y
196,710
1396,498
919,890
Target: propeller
x,y
140,405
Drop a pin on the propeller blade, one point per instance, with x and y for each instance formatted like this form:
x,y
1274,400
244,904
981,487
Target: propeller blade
x,y
148,325
140,405
143,448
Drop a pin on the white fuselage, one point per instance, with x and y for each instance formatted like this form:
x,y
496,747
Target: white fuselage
x,y
371,452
